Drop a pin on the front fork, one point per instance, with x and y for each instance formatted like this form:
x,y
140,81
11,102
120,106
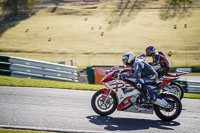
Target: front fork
x,y
105,98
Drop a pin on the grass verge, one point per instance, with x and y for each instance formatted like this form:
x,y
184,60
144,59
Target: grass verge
x,y
11,81
192,95
99,33
192,74
19,131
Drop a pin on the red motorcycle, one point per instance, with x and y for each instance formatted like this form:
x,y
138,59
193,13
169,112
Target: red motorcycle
x,y
173,87
124,97
169,87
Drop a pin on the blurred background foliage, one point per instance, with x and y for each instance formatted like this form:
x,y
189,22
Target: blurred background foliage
x,y
15,7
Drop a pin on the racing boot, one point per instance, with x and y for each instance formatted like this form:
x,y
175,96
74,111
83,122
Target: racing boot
x,y
154,98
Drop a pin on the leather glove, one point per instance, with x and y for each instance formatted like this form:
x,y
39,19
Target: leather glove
x,y
123,76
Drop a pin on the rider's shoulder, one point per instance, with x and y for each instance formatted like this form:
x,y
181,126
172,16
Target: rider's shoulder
x,y
157,54
140,62
161,53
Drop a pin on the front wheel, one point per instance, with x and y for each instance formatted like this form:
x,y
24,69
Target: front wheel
x,y
172,111
102,108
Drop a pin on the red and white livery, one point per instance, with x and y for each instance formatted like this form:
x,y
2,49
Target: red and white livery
x,y
121,96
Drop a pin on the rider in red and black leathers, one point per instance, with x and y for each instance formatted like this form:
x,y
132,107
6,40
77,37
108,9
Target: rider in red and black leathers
x,y
158,59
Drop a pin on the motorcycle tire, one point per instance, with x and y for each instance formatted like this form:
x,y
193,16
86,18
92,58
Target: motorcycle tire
x,y
179,89
172,100
101,109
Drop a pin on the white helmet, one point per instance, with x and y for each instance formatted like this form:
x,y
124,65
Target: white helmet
x,y
128,58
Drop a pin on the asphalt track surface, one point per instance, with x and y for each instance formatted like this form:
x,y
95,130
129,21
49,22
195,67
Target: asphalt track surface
x,y
70,111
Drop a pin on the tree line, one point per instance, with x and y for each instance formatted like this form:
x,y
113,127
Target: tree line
x,y
15,7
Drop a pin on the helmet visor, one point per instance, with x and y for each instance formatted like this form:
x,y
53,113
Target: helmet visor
x,y
125,60
148,52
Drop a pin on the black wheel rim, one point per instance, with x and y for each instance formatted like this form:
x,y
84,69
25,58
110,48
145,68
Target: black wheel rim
x,y
173,107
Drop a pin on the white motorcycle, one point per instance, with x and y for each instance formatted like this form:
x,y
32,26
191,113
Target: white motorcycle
x,y
124,97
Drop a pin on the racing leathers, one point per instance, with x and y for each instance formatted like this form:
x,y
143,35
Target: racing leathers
x,y
161,60
143,77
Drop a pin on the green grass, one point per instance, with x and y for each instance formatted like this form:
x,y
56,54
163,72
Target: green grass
x,y
22,82
98,33
11,81
192,95
192,74
19,131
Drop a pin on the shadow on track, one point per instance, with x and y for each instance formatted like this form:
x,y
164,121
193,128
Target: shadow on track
x,y
127,124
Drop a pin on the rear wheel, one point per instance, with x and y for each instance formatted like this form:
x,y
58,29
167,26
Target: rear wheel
x,y
177,90
102,108
174,109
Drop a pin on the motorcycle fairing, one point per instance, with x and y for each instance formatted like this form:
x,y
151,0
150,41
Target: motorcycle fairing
x,y
167,80
109,76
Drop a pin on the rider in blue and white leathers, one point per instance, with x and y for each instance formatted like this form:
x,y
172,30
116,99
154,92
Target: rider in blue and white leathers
x,y
144,75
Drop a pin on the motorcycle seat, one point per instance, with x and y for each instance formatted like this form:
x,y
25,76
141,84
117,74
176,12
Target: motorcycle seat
x,y
154,84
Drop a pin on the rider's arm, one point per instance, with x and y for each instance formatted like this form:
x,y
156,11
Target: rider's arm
x,y
141,56
156,60
137,73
